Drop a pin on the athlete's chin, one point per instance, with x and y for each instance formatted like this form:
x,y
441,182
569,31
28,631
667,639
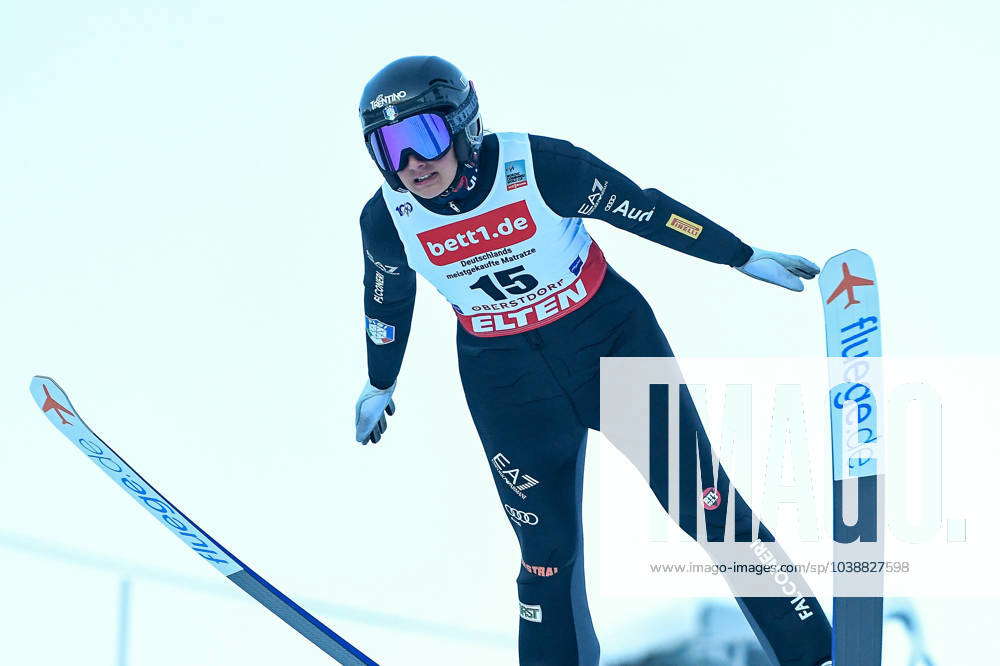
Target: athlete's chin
x,y
429,194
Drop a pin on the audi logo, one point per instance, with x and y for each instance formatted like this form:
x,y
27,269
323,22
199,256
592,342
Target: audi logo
x,y
521,516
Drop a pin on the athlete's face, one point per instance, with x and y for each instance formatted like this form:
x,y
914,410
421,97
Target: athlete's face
x,y
429,178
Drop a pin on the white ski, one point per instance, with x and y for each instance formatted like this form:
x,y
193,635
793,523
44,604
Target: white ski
x,y
56,405
854,346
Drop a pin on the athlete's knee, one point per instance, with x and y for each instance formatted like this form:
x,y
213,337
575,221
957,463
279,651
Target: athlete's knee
x,y
550,571
548,554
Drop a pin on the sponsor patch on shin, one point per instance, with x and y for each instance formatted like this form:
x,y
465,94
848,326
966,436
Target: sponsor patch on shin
x,y
531,612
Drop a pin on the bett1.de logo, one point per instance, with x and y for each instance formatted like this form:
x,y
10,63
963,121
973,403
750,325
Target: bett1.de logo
x,y
505,226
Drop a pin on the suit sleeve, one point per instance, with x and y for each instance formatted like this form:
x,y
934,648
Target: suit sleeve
x,y
390,292
574,183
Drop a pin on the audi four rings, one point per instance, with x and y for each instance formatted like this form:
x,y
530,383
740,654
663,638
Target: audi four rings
x,y
522,516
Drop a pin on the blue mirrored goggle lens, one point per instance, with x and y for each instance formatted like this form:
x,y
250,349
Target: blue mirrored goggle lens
x,y
426,134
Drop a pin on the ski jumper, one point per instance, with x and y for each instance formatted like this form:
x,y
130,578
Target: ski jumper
x,y
537,308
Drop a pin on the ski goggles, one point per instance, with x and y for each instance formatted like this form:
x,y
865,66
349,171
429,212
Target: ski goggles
x,y
426,134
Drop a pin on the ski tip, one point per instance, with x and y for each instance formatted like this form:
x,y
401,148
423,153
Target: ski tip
x,y
841,257
54,403
38,381
45,389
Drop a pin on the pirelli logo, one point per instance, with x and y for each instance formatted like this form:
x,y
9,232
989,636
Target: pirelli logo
x,y
686,227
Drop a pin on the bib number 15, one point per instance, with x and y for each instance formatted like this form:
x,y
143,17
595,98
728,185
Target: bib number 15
x,y
502,284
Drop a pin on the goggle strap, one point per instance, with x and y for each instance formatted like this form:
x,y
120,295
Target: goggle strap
x,y
465,113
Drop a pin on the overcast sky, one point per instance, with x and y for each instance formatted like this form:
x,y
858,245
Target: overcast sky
x,y
180,184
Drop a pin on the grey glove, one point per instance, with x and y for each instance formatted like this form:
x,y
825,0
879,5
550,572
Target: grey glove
x,y
783,270
370,412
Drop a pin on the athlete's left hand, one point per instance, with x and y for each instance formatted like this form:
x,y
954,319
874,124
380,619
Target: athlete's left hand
x,y
783,270
370,413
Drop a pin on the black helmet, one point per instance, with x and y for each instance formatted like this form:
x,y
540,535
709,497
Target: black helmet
x,y
422,84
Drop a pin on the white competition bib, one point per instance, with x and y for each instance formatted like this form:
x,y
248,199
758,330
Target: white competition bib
x,y
509,265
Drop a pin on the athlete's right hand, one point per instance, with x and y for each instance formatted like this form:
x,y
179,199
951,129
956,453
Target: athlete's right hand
x,y
783,270
369,413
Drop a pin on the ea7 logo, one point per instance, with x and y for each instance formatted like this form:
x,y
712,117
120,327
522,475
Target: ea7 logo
x,y
512,476
390,270
597,193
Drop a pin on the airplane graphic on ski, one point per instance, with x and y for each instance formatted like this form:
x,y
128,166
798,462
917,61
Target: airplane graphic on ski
x,y
50,403
848,284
